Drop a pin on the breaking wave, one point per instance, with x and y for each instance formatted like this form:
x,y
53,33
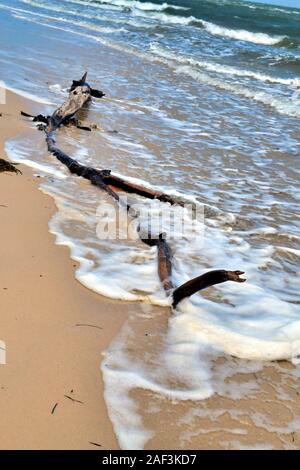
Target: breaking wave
x,y
242,35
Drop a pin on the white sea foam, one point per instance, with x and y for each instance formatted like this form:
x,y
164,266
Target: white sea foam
x,y
202,331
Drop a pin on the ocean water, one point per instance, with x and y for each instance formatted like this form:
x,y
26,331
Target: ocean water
x,y
205,99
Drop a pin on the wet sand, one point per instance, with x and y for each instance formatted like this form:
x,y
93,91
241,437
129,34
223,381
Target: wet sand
x,y
55,330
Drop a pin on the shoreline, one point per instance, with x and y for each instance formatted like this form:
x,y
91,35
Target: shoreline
x,y
50,323
56,330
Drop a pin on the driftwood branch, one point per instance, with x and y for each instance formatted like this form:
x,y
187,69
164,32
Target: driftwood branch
x,y
208,279
80,94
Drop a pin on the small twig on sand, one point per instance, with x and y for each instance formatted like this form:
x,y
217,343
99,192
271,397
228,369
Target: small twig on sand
x,y
54,408
95,444
92,326
73,399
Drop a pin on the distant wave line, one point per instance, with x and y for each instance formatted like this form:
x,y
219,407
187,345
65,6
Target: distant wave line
x,y
220,68
211,28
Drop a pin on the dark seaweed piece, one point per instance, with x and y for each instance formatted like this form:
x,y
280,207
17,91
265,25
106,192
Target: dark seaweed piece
x,y
7,166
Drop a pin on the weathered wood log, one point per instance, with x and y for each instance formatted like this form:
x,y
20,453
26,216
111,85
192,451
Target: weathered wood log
x,y
78,97
208,279
80,94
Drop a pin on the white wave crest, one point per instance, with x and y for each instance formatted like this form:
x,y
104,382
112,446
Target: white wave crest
x,y
242,35
144,6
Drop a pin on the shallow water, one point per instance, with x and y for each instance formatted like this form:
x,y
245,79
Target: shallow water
x,y
205,102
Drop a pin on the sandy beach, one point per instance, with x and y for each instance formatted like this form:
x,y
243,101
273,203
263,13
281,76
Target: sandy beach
x,y
55,331
54,328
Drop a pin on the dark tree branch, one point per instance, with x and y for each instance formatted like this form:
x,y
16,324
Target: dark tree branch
x,y
208,279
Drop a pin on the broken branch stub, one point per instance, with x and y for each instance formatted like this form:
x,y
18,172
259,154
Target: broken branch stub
x,y
208,279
